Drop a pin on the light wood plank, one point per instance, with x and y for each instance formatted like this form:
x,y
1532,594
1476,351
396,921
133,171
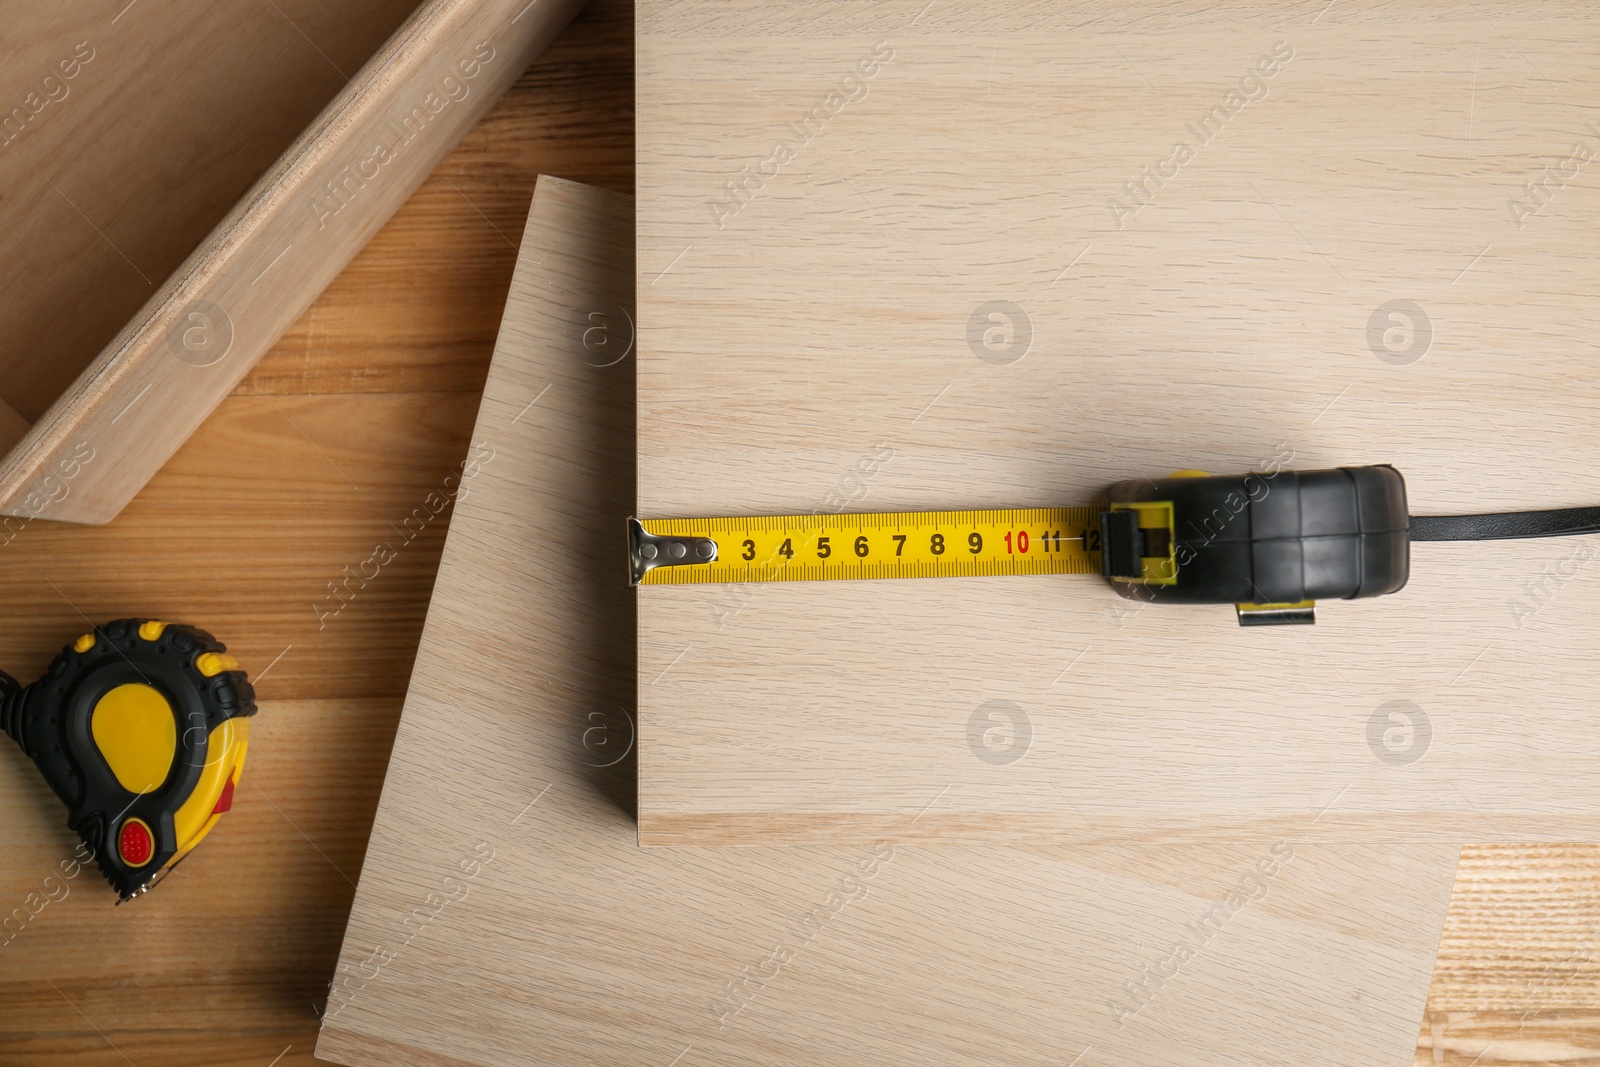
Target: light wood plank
x,y
504,905
805,344
263,264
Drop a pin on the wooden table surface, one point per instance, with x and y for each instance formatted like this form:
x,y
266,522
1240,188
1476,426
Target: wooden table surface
x,y
341,432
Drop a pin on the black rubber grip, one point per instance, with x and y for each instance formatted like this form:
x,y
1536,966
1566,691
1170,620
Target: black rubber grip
x,y
1505,525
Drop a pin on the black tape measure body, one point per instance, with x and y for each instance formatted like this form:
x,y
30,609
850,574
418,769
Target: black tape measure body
x,y
1259,539
99,724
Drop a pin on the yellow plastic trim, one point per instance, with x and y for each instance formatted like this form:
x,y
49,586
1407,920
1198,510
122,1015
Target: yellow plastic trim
x,y
137,734
1277,607
225,750
151,630
1157,514
212,664
84,643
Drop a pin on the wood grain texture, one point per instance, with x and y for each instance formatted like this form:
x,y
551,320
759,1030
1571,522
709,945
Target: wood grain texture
x,y
830,202
156,118
198,335
417,311
504,904
242,531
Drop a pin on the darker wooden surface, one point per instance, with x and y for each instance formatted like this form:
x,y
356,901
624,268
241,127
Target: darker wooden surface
x,y
342,431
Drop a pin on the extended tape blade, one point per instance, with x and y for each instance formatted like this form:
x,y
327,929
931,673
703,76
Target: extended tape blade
x,y
809,548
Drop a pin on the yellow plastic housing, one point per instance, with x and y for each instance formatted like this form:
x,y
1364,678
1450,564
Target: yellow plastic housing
x,y
137,735
225,751
212,664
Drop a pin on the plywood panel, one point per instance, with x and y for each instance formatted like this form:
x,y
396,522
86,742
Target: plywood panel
x,y
505,907
199,333
932,256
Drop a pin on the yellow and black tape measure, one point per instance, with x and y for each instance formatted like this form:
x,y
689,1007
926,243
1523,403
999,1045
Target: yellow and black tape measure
x,y
924,544
1270,543
141,728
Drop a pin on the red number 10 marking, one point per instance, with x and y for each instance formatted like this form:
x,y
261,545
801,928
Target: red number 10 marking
x,y
1022,541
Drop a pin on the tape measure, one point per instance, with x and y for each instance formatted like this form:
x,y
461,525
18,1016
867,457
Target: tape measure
x,y
140,727
926,544
1269,543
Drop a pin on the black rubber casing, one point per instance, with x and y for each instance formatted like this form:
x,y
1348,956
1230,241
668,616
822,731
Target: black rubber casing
x,y
1280,538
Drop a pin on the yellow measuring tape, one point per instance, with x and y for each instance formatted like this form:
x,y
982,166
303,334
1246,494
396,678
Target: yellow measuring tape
x,y
922,544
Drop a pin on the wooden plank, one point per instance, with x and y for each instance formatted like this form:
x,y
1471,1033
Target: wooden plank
x,y
1502,1039
1521,932
263,264
830,202
97,231
505,906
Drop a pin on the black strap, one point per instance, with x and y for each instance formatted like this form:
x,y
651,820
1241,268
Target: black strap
x,y
1504,525
10,707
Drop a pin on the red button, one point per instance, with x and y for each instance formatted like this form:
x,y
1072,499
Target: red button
x,y
135,843
225,801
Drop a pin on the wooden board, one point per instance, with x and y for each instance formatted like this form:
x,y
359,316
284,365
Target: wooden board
x,y
504,904
107,393
382,376
931,256
252,79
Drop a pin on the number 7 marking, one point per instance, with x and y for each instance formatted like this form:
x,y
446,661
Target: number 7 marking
x,y
899,543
